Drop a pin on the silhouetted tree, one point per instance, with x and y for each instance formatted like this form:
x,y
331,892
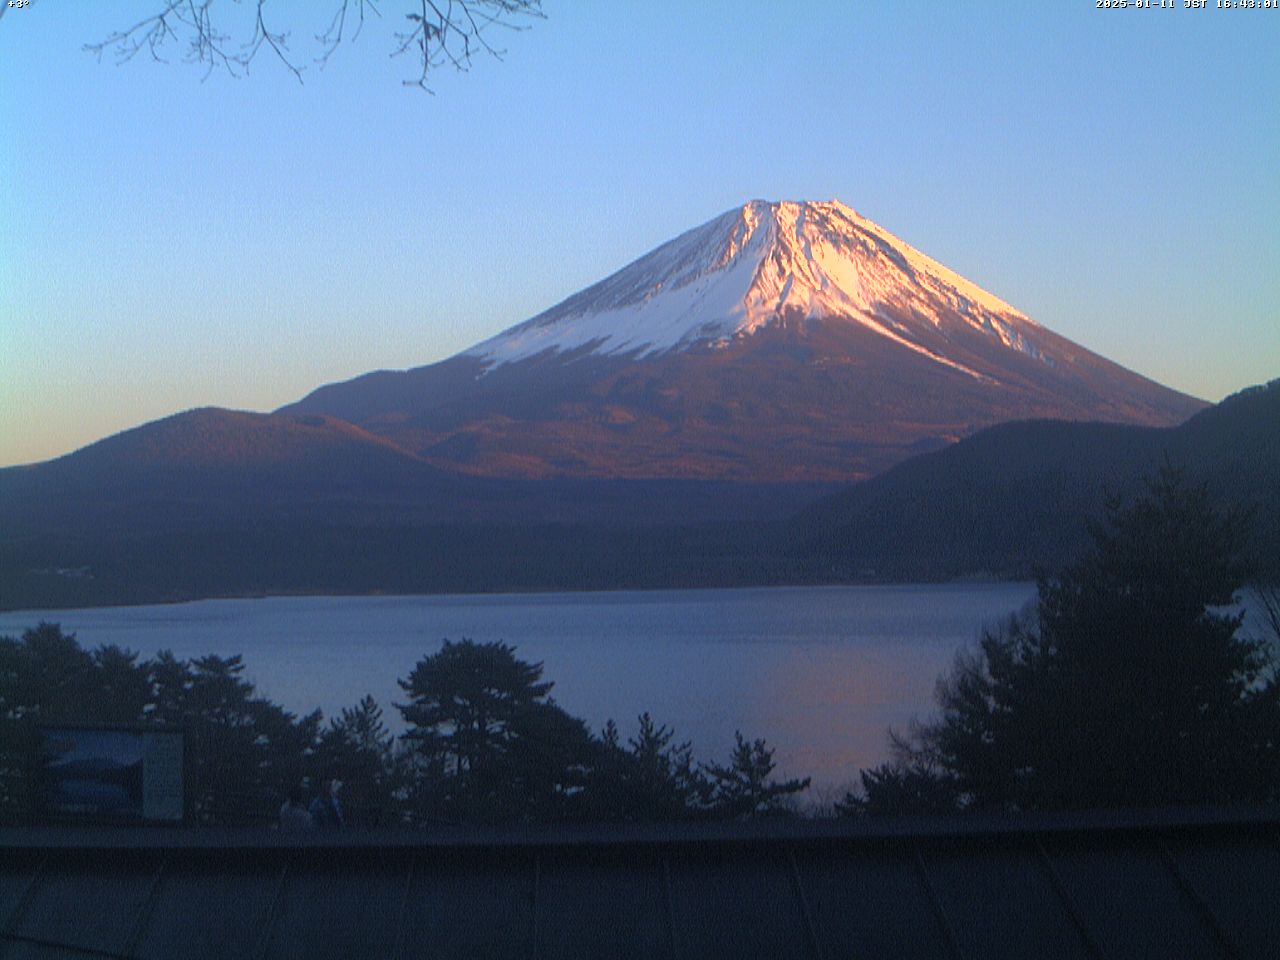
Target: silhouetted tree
x,y
907,785
1265,704
549,772
650,778
122,689
243,753
358,749
745,788
1129,686
487,742
46,675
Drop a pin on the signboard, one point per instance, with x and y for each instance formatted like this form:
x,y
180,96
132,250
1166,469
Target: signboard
x,y
111,773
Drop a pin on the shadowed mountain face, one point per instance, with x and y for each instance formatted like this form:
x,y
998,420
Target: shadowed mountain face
x,y
213,469
1014,497
192,507
779,342
204,466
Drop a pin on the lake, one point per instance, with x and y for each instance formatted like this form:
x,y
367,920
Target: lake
x,y
820,672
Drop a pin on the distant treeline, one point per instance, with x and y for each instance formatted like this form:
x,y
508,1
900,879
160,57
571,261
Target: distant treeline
x,y
283,557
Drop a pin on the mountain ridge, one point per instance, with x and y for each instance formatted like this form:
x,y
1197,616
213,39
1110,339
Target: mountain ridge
x,y
1013,498
599,464
778,341
997,505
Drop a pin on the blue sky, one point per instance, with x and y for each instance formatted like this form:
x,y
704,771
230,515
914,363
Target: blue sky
x,y
168,241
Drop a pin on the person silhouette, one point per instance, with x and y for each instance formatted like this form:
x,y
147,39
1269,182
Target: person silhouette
x,y
294,814
326,811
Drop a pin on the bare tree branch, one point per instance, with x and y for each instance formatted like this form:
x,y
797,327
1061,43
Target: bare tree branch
x,y
277,42
448,33
333,37
176,20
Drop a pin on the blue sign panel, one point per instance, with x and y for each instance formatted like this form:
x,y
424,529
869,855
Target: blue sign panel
x,y
114,774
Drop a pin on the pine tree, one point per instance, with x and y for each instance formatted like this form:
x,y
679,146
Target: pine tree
x,y
652,777
744,787
1130,684
358,749
487,742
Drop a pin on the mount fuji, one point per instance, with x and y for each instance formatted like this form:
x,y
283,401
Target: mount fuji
x,y
779,342
660,428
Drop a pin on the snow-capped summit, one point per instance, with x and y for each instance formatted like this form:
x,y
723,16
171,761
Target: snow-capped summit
x,y
777,342
766,263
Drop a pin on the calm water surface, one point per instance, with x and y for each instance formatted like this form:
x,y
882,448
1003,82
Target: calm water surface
x,y
820,672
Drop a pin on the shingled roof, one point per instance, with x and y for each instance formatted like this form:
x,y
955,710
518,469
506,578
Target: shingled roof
x,y
1152,884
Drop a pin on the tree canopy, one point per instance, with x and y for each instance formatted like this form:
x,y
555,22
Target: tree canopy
x,y
483,742
1129,684
745,787
491,744
652,776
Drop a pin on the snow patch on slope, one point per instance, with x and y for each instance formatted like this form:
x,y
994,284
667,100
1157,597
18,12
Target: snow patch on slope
x,y
747,269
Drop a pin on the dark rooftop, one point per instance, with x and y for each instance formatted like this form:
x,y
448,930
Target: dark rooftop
x,y
1188,883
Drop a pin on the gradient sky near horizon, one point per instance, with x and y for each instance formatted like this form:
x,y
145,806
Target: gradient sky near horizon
x,y
168,241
